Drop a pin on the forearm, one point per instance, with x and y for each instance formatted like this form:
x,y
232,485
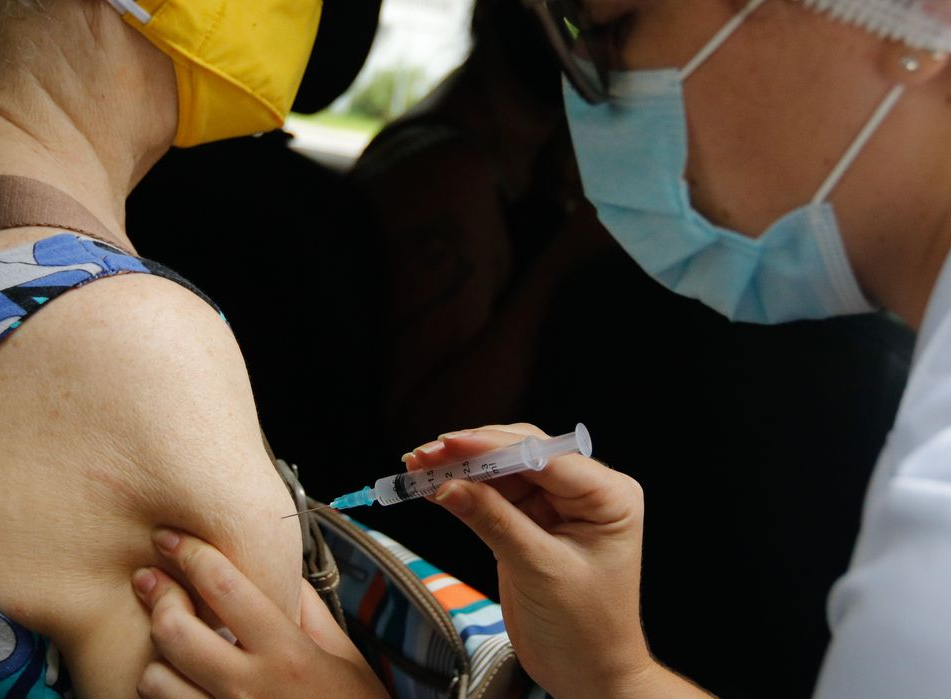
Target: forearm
x,y
654,682
640,681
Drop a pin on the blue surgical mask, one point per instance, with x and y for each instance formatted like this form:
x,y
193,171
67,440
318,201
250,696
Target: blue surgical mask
x,y
632,154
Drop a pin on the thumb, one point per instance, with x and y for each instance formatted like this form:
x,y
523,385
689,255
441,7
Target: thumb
x,y
318,623
509,532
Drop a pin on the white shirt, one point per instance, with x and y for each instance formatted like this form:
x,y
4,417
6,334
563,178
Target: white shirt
x,y
891,612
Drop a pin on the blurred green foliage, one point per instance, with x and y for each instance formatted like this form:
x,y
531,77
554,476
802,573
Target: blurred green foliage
x,y
389,93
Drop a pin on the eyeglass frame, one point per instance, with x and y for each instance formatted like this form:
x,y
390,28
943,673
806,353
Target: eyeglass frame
x,y
580,80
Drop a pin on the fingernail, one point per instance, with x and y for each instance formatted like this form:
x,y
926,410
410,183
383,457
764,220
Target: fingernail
x,y
456,435
166,539
406,457
143,580
455,498
226,634
430,447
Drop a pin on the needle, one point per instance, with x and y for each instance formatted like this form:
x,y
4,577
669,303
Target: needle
x,y
530,454
304,512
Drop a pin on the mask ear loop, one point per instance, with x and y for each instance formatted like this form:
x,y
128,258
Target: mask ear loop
x,y
719,39
132,8
884,109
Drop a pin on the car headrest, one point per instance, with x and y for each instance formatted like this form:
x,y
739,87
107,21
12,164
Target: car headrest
x,y
346,32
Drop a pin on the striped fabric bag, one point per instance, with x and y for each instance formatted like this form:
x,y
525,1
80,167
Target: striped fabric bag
x,y
425,633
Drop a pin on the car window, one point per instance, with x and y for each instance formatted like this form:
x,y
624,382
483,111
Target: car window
x,y
418,43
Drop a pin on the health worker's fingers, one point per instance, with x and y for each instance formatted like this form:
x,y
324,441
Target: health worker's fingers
x,y
537,507
519,429
184,640
491,436
509,532
583,489
159,681
151,584
318,623
513,488
468,444
526,496
250,614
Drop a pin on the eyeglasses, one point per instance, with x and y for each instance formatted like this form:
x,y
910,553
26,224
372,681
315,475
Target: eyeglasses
x,y
582,47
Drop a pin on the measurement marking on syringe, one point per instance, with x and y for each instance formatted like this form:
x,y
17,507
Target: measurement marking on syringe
x,y
532,453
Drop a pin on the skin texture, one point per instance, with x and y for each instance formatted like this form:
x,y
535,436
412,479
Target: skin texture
x,y
557,535
126,403
88,106
131,407
773,110
316,658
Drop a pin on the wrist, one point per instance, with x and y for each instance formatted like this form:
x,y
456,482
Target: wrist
x,y
627,679
652,680
633,682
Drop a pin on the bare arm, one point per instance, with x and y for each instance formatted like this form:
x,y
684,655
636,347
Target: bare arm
x,y
126,405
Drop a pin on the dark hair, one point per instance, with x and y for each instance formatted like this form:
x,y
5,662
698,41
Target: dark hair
x,y
513,30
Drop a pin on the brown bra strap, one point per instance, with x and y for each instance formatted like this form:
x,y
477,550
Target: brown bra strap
x,y
27,202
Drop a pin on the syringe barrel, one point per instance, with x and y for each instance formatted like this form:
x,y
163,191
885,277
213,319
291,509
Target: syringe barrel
x,y
531,453
414,484
386,489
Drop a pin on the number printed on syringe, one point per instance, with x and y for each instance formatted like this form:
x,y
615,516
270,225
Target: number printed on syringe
x,y
434,477
490,470
530,454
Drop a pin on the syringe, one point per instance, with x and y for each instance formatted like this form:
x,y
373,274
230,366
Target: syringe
x,y
531,453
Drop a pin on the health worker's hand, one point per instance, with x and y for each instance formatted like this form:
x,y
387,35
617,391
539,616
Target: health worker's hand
x,y
274,656
568,544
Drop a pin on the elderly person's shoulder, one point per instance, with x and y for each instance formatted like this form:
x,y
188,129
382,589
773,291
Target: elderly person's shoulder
x,y
124,401
126,405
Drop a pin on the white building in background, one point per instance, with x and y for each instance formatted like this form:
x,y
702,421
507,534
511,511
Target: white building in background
x,y
427,37
423,40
